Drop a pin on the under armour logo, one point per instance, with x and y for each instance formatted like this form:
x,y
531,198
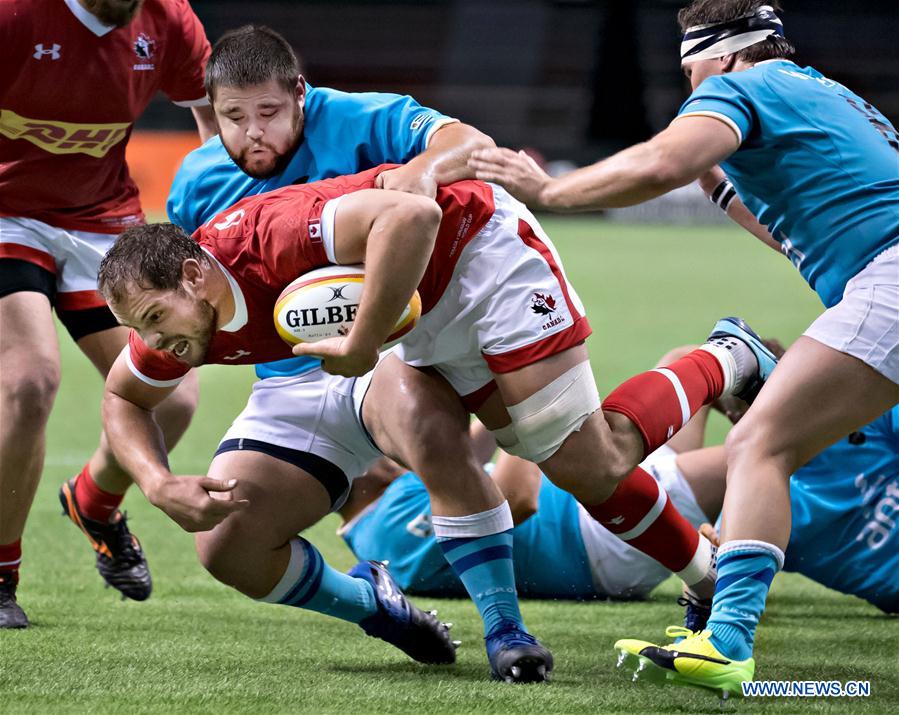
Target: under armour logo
x,y
337,293
236,356
39,51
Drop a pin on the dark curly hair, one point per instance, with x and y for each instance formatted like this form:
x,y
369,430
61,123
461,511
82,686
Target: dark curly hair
x,y
149,257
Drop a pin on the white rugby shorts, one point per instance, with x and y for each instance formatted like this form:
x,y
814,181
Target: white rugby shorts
x,y
620,570
73,256
313,412
865,323
507,305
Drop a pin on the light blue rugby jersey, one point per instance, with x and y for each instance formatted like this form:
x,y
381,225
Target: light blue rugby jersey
x,y
548,551
816,164
343,133
845,506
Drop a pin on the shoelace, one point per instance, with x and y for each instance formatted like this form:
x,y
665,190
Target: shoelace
x,y
697,612
121,544
686,633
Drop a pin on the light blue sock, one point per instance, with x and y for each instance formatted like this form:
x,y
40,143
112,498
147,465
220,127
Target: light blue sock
x,y
310,583
745,571
479,549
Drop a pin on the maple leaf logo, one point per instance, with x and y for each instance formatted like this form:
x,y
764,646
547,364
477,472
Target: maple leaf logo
x,y
543,304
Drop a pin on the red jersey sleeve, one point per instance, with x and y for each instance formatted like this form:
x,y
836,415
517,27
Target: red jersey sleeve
x,y
153,367
183,77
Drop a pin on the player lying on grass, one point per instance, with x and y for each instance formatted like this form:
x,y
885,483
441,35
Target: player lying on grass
x,y
194,305
74,77
819,166
843,503
276,130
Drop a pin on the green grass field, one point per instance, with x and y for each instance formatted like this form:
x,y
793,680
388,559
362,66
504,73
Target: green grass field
x,y
198,647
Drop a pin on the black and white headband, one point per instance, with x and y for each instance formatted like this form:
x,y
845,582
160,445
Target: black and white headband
x,y
706,42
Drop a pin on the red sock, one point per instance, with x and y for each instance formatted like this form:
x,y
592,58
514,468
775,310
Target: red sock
x,y
661,401
640,513
93,502
10,558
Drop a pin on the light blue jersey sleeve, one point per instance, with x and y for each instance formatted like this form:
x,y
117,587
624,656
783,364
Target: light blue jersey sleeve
x,y
721,100
356,131
816,164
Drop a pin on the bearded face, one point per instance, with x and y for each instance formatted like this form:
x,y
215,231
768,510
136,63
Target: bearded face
x,y
260,126
117,13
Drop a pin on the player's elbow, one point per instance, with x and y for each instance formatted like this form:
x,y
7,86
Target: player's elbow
x,y
478,140
421,211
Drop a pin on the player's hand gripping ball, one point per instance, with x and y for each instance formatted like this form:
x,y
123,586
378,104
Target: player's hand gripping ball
x,y
323,303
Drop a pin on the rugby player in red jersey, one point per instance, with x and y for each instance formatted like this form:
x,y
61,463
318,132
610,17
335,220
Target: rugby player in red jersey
x,y
74,76
500,323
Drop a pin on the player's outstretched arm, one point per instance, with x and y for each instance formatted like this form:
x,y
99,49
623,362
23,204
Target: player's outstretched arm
x,y
443,162
675,157
138,446
393,233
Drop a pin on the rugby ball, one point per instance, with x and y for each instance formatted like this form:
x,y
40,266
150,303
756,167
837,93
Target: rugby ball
x,y
323,303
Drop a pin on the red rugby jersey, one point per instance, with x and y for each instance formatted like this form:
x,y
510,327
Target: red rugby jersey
x,y
70,91
265,242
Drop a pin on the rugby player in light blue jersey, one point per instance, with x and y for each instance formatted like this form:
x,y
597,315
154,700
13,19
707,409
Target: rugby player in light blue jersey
x,y
819,166
274,131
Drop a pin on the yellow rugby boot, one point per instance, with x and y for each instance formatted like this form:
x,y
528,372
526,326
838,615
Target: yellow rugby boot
x,y
693,661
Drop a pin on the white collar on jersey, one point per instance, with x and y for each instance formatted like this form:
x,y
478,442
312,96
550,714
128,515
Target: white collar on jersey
x,y
240,303
89,20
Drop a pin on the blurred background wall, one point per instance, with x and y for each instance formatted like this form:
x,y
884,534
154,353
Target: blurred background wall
x,y
573,79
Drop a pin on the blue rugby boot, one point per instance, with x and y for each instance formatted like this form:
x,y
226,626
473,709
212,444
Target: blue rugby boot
x,y
415,632
516,656
724,332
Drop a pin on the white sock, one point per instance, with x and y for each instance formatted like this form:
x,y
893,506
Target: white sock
x,y
738,362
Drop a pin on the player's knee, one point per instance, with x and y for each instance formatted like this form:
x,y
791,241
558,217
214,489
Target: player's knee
x,y
28,393
757,440
231,556
218,553
586,485
210,551
544,421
